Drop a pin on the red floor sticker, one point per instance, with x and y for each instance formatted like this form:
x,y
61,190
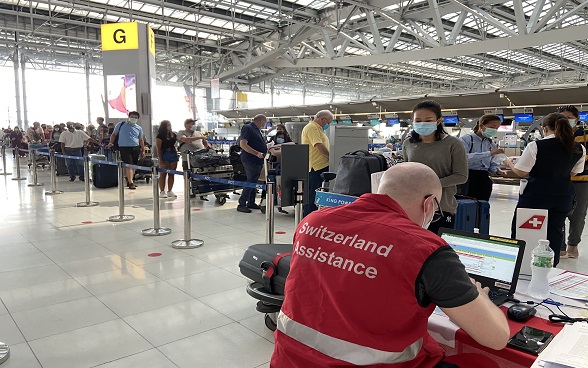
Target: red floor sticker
x,y
154,254
196,209
280,232
86,222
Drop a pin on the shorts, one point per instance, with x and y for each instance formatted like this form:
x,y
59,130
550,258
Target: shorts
x,y
130,155
169,156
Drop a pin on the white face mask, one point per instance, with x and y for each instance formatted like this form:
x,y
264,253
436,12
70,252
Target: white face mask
x,y
425,224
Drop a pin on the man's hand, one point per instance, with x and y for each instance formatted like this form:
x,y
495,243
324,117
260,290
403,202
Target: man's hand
x,y
481,290
142,154
500,172
259,155
496,151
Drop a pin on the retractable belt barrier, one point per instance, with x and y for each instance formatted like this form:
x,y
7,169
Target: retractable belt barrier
x,y
17,161
53,166
156,230
4,161
34,152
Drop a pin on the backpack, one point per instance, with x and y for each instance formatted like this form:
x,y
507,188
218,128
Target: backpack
x,y
115,146
354,175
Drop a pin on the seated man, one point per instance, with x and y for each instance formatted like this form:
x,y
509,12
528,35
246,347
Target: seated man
x,y
365,278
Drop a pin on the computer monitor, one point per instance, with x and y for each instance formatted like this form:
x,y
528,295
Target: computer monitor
x,y
583,116
392,121
501,117
347,122
374,122
450,120
523,118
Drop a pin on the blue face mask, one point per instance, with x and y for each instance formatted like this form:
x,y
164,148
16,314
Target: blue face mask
x,y
279,140
425,129
326,126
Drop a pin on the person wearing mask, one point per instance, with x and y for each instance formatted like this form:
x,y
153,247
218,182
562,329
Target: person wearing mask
x,y
577,217
35,133
131,144
72,142
481,152
419,270
48,130
17,140
56,133
191,139
314,135
253,150
430,144
550,163
282,128
168,157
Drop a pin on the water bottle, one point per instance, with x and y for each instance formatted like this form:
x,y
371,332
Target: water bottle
x,y
541,264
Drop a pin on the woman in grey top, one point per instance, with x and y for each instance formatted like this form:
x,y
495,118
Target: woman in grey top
x,y
429,144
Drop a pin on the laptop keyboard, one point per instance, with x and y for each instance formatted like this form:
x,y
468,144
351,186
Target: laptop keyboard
x,y
493,295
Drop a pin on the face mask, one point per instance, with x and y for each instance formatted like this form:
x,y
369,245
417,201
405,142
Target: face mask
x,y
572,122
489,132
426,223
133,120
279,140
326,127
424,128
193,128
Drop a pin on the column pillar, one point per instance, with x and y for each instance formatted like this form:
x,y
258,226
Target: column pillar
x,y
25,112
15,62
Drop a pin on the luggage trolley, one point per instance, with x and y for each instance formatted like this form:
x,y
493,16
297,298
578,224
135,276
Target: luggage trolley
x,y
41,160
213,165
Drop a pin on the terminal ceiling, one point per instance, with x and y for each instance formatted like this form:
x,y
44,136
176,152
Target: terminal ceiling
x,y
354,50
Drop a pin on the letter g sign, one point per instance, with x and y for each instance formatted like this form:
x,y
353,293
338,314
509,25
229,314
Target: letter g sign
x,y
119,36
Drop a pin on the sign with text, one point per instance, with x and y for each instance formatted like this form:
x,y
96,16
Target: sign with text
x,y
151,40
531,226
329,199
120,36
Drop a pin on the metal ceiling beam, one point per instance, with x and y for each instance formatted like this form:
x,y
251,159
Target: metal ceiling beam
x,y
550,13
438,22
520,16
568,14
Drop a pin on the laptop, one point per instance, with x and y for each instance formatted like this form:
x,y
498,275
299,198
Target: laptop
x,y
493,261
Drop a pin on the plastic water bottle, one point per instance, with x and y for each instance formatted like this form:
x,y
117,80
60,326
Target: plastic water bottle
x,y
541,264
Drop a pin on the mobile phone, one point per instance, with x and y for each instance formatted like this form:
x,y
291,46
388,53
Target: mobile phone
x,y
530,340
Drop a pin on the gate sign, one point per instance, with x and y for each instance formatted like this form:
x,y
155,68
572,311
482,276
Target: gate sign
x,y
120,36
151,41
531,226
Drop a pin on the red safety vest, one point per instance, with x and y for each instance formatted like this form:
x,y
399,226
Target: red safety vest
x,y
350,295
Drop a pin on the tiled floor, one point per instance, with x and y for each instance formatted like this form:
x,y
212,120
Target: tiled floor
x,y
89,295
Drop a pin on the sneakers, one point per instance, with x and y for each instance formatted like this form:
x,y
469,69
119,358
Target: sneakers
x,y
563,254
132,186
162,194
254,206
72,178
243,209
573,251
171,194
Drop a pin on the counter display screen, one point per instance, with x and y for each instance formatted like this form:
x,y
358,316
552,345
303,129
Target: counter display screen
x,y
392,121
583,116
450,120
523,118
347,122
374,122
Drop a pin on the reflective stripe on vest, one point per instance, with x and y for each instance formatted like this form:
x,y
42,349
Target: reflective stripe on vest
x,y
344,350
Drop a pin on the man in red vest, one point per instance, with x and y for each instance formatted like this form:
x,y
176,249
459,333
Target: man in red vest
x,y
365,278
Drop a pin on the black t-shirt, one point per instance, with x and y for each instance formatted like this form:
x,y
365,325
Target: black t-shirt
x,y
167,143
444,281
252,135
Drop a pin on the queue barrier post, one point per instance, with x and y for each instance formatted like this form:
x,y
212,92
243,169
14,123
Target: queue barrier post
x,y
187,242
298,201
33,155
17,161
53,167
121,217
269,212
4,161
88,202
156,230
4,352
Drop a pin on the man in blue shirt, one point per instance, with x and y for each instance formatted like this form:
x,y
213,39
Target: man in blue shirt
x,y
131,143
253,150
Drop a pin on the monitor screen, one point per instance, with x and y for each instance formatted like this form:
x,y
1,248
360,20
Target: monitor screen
x,y
392,121
501,116
583,116
374,122
523,118
492,259
347,122
450,120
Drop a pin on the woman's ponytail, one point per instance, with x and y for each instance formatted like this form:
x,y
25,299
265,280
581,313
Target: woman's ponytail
x,y
563,131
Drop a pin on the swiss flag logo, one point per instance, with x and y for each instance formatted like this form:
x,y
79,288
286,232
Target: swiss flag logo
x,y
535,222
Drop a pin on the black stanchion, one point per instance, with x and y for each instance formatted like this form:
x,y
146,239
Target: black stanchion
x,y
33,155
3,152
17,161
156,230
53,166
269,212
88,202
187,242
121,198
298,201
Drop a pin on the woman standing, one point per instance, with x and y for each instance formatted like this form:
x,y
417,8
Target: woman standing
x,y
481,151
168,157
549,163
17,140
429,144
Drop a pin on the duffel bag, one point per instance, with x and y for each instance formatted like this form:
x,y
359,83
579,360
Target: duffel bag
x,y
355,172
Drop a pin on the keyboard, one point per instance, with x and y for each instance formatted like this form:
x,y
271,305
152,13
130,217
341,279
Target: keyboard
x,y
498,297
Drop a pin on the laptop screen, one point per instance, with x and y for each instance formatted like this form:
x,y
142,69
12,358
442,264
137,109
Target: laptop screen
x,y
492,261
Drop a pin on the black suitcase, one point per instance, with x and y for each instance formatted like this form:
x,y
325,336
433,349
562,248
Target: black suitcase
x,y
61,166
104,176
261,263
355,170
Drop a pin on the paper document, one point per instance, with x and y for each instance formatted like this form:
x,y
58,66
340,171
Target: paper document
x,y
571,285
569,348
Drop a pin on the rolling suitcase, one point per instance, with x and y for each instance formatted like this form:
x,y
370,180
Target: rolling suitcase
x,y
267,264
472,213
61,166
105,176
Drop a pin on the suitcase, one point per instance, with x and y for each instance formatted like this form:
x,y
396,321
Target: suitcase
x,y
105,176
259,259
472,213
354,174
61,166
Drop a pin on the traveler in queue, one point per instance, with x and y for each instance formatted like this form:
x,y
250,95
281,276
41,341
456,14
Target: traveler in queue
x,y
168,157
481,151
253,148
314,135
550,162
131,143
430,144
377,275
580,182
191,139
